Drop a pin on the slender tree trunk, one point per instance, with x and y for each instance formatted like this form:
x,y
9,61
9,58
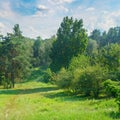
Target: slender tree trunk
x,y
13,79
6,80
13,74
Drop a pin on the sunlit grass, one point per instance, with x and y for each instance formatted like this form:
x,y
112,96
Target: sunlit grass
x,y
40,101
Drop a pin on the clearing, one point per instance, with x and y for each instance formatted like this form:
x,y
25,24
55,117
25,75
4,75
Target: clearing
x,y
39,101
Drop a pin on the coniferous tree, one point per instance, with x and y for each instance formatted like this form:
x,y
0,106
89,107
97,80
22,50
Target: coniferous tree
x,y
15,57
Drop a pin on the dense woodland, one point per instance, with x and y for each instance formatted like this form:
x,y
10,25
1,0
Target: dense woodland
x,y
78,63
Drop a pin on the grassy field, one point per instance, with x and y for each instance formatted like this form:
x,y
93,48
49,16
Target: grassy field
x,y
39,101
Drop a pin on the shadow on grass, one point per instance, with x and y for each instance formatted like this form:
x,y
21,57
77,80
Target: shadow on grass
x,y
65,96
114,115
27,91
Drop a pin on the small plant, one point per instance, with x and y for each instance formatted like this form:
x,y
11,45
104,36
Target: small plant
x,y
63,79
47,75
111,88
118,101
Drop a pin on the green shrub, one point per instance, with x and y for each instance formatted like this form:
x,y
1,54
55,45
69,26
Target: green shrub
x,y
88,80
79,62
48,76
91,80
118,101
111,88
63,79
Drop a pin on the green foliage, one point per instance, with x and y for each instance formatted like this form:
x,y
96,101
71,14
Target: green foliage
x,y
118,101
92,47
111,88
81,62
41,51
89,81
37,52
113,35
16,30
63,79
15,57
71,41
110,58
80,77
107,37
48,76
96,35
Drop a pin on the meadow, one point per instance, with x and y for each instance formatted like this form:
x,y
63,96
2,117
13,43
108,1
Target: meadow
x,y
35,100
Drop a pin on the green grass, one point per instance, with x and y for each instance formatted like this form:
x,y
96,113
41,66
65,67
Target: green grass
x,y
39,101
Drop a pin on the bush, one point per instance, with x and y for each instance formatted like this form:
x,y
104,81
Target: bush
x,y
80,62
63,79
111,88
48,76
118,101
91,80
88,80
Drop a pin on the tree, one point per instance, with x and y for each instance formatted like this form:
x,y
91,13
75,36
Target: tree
x,y
109,57
79,62
16,30
103,40
113,35
37,51
1,60
92,47
96,35
71,41
15,57
41,51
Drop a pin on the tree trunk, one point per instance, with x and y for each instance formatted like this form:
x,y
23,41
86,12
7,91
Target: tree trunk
x,y
13,79
6,82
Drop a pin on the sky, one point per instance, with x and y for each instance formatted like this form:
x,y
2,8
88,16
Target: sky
x,y
43,17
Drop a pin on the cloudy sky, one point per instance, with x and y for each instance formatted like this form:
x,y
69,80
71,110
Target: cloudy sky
x,y
43,17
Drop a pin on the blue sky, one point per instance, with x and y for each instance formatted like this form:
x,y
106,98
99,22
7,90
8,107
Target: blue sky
x,y
43,17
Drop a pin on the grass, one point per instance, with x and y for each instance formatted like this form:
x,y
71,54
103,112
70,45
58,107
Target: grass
x,y
39,101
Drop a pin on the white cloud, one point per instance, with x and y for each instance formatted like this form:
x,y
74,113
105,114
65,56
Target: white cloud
x,y
42,8
90,9
62,8
5,10
2,25
95,18
49,15
60,1
109,19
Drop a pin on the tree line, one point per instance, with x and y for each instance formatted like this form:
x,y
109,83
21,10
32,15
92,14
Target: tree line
x,y
76,62
19,55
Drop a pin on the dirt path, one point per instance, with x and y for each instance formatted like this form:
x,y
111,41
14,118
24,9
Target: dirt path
x,y
9,107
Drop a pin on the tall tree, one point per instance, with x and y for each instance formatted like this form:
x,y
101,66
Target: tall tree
x,y
96,35
110,58
15,56
37,51
71,41
41,51
113,35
